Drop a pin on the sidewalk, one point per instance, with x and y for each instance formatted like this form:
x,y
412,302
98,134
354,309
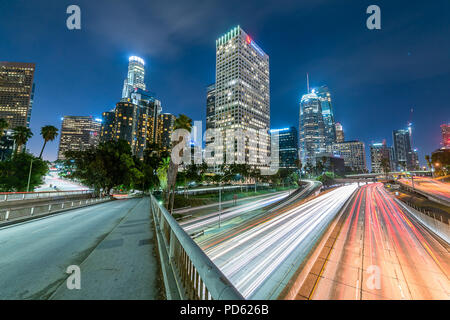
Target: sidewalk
x,y
123,266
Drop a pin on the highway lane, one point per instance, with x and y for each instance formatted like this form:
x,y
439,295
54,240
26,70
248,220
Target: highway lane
x,y
430,186
260,258
212,219
34,255
378,236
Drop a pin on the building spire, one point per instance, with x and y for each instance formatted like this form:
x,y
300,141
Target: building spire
x,y
307,81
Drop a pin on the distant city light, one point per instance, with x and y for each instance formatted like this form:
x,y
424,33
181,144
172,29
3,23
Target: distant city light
x,y
98,120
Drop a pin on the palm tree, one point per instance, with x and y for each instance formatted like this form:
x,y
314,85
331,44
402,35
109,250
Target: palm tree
x,y
21,135
385,166
161,172
181,122
3,125
49,133
428,159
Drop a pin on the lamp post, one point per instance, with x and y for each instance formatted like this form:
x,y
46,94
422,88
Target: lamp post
x,y
220,196
29,175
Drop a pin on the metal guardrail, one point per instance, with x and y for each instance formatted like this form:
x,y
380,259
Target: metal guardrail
x,y
10,214
195,273
15,196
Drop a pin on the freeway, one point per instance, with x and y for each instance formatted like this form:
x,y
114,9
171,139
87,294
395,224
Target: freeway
x,y
260,256
381,252
212,219
35,255
430,186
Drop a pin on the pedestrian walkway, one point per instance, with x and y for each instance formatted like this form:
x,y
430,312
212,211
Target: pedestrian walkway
x,y
123,266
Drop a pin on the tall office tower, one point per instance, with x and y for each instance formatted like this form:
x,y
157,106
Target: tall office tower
x,y
288,147
149,109
126,124
78,133
108,123
16,92
166,122
135,77
312,131
402,149
339,133
415,160
353,152
210,106
328,115
378,152
242,94
445,129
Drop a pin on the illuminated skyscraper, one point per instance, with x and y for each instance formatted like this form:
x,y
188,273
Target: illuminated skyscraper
x,y
135,77
380,152
328,115
108,122
242,93
166,122
353,152
78,133
210,106
16,92
312,131
340,137
288,147
402,149
445,129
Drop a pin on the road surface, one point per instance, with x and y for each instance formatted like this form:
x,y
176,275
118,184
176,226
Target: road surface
x,y
259,258
36,254
378,235
430,186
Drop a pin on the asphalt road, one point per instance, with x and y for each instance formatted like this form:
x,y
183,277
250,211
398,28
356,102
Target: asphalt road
x,y
381,252
430,186
259,258
35,255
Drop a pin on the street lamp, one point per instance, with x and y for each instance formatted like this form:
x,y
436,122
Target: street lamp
x,y
29,175
220,195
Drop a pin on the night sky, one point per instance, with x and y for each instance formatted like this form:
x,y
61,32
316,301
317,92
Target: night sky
x,y
375,76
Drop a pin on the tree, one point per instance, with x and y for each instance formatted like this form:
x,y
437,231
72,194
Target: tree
x,y
385,166
162,173
15,171
428,159
48,133
181,122
3,126
109,166
21,135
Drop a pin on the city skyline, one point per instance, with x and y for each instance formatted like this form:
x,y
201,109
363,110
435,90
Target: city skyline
x,y
360,106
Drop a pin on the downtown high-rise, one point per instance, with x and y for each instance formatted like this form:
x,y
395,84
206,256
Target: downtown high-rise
x,y
242,95
403,153
311,129
329,126
78,133
135,76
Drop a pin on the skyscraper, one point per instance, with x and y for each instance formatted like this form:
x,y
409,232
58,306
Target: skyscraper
x,y
445,129
135,77
108,123
78,133
327,113
353,152
402,149
166,122
340,137
312,131
16,92
242,93
288,146
126,124
379,153
210,106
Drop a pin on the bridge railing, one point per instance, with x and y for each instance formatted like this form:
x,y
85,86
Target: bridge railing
x,y
196,276
15,196
16,213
